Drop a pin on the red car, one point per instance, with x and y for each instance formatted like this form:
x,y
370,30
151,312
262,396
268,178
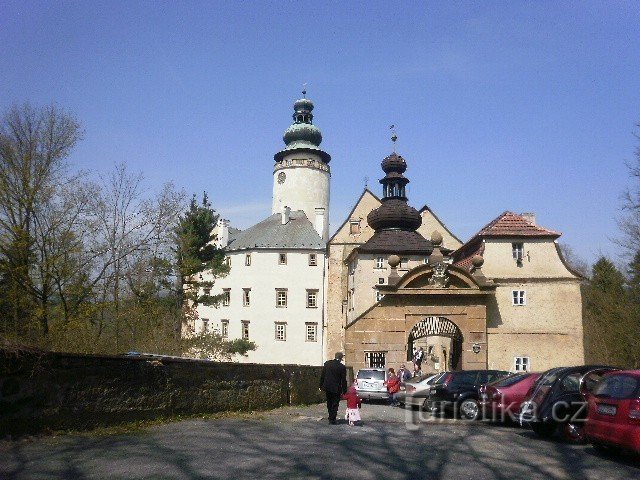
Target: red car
x,y
613,420
500,400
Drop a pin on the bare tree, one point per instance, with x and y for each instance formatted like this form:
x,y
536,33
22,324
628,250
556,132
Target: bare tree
x,y
629,223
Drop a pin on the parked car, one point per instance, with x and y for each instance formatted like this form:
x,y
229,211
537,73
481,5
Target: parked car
x,y
500,400
613,418
556,401
416,390
458,391
371,384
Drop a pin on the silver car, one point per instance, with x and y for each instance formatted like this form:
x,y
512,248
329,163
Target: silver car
x,y
371,384
416,391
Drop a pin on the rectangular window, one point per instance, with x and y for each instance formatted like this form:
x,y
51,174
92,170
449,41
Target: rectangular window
x,y
313,260
519,297
375,359
205,325
354,227
206,291
227,261
226,299
247,259
281,331
381,281
379,296
380,262
426,260
352,300
282,258
281,298
245,329
312,332
517,249
312,298
224,330
246,297
521,364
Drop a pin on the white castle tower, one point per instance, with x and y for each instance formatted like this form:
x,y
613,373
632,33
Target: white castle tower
x,y
301,173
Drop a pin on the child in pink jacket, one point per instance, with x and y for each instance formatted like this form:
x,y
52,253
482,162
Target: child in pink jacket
x,y
353,405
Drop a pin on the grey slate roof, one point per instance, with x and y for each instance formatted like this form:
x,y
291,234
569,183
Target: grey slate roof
x,y
298,232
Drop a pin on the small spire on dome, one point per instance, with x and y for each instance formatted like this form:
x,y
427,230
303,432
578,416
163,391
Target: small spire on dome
x,y
394,137
304,90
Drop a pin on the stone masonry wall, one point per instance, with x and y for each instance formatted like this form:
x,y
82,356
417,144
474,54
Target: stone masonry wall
x,y
40,391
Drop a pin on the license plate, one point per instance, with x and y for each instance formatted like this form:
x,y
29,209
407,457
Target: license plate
x,y
606,409
368,385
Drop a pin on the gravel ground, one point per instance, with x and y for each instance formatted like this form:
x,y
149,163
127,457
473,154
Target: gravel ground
x,y
298,442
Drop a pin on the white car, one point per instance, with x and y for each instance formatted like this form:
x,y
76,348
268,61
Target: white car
x,y
371,384
416,391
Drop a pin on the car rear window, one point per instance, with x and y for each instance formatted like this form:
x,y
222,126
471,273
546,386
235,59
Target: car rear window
x,y
370,375
617,387
507,382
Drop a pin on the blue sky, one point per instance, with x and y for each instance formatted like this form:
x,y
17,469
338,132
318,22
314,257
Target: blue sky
x,y
521,106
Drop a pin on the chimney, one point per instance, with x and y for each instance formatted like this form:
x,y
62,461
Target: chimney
x,y
529,217
320,221
222,232
286,215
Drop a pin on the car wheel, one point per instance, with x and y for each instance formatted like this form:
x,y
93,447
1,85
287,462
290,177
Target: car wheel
x,y
544,430
573,432
469,409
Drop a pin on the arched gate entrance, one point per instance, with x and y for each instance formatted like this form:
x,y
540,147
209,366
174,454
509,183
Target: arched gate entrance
x,y
439,327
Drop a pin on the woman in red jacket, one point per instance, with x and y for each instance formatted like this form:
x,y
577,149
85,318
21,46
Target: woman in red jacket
x,y
353,404
393,387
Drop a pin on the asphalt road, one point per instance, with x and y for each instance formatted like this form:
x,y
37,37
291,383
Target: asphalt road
x,y
299,443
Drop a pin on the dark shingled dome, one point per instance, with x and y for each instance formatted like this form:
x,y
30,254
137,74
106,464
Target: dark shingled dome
x,y
394,163
394,213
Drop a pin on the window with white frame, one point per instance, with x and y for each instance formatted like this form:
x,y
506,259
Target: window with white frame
x,y
281,297
246,297
247,259
521,364
282,258
205,325
354,227
375,359
224,328
379,296
312,332
313,259
312,298
245,329
226,297
404,262
381,281
351,299
281,331
380,262
517,250
519,297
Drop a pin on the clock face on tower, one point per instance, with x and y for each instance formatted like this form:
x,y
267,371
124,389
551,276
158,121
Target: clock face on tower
x,y
282,177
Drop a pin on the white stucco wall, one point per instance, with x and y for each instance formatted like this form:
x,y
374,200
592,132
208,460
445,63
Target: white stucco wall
x,y
263,277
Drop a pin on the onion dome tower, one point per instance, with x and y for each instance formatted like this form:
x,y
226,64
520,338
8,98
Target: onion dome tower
x,y
395,222
301,172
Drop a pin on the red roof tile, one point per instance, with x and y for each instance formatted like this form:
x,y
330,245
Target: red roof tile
x,y
510,224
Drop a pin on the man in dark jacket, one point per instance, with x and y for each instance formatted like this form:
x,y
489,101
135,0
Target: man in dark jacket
x,y
333,381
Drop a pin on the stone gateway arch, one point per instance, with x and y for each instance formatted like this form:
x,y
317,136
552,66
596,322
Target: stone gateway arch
x,y
435,326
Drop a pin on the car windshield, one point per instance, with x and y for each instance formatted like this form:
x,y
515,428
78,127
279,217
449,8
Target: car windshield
x,y
371,375
617,387
512,380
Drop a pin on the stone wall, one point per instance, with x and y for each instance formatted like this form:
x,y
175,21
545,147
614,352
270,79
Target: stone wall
x,y
40,391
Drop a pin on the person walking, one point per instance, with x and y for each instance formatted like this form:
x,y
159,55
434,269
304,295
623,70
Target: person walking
x,y
393,387
333,381
353,405
403,373
419,358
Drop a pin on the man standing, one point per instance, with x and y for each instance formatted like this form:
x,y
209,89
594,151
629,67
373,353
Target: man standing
x,y
403,373
333,381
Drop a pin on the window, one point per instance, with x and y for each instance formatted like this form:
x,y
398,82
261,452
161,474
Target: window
x,y
380,262
224,324
281,331
247,259
350,299
245,329
381,281
354,227
312,332
282,258
313,260
281,298
379,296
206,291
226,299
519,297
205,325
404,262
312,298
426,260
246,297
227,261
517,249
521,364
375,359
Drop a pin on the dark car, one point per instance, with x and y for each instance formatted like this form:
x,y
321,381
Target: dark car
x,y
458,392
613,421
500,400
556,401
